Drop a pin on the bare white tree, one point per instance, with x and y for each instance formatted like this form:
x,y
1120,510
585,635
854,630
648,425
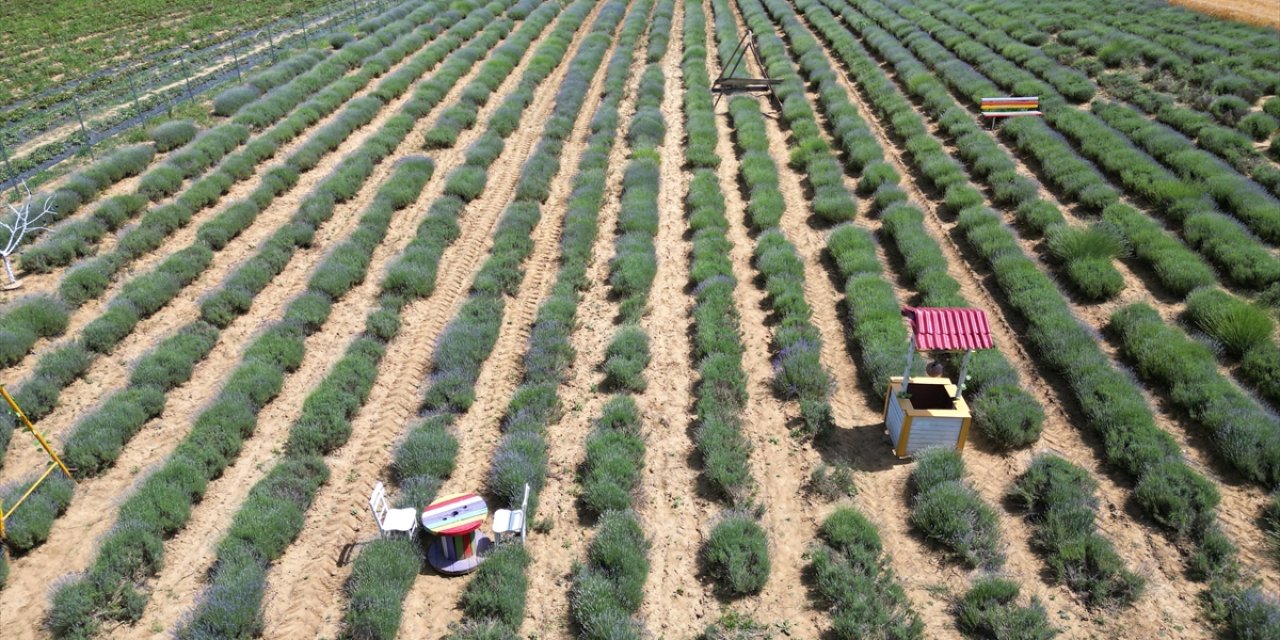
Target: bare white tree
x,y
16,224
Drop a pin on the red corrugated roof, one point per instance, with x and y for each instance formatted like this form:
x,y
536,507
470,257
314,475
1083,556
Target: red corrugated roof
x,y
948,329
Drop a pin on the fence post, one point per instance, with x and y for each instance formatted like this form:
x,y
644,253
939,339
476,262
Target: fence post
x,y
271,44
235,55
186,71
133,88
9,167
84,131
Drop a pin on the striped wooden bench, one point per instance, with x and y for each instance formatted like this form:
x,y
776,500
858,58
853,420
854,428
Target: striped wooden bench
x,y
1010,107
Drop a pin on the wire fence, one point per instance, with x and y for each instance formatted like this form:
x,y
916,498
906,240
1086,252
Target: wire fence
x,y
82,112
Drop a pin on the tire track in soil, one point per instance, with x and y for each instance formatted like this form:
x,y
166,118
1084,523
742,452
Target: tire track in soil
x,y
1242,501
85,519
110,373
548,607
198,541
859,428
478,430
673,504
179,239
775,455
1154,557
300,601
990,470
47,283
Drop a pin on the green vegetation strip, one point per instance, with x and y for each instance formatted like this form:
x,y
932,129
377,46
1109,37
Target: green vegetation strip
x,y
494,601
272,515
1059,499
376,53
97,440
1244,257
852,578
85,185
1246,436
1177,268
1176,496
1003,411
1260,431
158,78
990,609
717,339
798,371
133,550
89,33
1242,330
1234,192
149,292
1212,85
385,570
607,589
950,513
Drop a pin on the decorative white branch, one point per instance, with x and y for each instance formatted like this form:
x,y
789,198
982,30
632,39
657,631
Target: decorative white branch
x,y
20,223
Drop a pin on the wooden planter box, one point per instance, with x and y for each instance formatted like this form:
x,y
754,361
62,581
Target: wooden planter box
x,y
929,418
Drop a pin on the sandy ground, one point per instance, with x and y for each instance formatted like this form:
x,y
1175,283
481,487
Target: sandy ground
x,y
1260,12
554,554
305,588
87,517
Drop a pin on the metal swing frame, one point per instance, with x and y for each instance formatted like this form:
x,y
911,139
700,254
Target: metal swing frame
x,y
729,83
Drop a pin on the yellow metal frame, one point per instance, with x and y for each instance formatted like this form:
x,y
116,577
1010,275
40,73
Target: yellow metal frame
x,y
909,411
44,444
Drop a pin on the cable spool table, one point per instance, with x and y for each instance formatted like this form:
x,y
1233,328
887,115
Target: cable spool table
x,y
456,519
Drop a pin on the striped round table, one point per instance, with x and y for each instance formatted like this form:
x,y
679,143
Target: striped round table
x,y
456,520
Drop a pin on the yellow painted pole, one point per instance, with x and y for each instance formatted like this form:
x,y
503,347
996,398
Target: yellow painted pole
x,y
40,438
33,486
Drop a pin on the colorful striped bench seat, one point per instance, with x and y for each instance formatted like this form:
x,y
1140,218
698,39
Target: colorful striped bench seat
x,y
1011,107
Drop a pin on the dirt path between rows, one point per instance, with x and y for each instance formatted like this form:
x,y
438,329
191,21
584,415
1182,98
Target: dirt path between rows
x,y
1241,501
553,555
109,374
990,470
428,605
302,601
673,503
859,425
86,518
1154,557
176,589
778,461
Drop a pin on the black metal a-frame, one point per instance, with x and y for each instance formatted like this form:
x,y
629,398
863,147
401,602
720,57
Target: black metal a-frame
x,y
728,83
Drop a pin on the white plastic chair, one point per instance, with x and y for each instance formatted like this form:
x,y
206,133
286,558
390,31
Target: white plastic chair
x,y
388,519
508,521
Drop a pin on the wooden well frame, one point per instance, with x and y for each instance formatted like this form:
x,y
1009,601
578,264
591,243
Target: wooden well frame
x,y
901,416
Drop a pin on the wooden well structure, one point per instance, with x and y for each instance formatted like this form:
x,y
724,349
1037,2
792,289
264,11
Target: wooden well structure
x,y
930,411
